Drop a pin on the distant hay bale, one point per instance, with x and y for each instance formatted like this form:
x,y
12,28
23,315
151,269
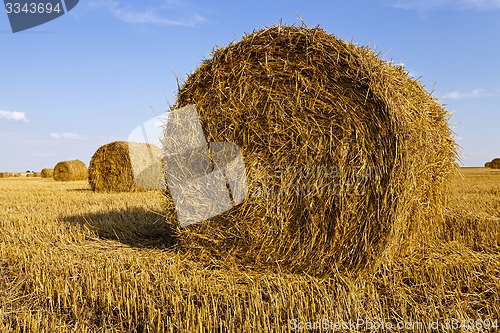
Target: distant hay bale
x,y
4,174
126,166
495,163
37,174
348,159
30,174
47,173
70,171
487,165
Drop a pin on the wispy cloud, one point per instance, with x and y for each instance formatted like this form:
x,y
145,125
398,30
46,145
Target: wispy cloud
x,y
13,116
66,136
165,13
426,5
402,65
475,93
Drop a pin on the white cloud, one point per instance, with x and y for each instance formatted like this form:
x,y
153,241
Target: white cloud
x,y
475,93
157,15
66,136
13,116
410,72
425,5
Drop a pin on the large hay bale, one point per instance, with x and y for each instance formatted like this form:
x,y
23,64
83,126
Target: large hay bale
x,y
70,170
348,159
47,173
126,166
4,174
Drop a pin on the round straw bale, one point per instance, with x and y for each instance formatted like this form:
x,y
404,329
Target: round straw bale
x,y
126,166
495,163
70,170
4,175
347,158
47,173
487,165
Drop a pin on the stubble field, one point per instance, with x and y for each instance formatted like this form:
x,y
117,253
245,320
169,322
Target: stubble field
x,y
72,260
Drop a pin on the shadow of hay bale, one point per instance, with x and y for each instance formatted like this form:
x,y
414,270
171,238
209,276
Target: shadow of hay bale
x,y
82,190
135,227
478,231
348,159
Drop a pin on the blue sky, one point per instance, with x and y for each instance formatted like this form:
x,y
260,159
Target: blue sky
x,y
93,75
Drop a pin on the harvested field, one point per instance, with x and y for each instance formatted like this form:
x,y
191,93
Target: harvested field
x,y
72,260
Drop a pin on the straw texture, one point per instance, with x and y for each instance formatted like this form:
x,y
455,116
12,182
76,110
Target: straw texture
x,y
47,173
494,164
70,171
348,159
126,166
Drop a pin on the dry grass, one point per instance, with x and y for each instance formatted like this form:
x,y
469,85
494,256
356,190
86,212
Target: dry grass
x,y
72,260
336,144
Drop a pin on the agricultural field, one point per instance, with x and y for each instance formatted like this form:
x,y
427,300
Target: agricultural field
x,y
72,260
